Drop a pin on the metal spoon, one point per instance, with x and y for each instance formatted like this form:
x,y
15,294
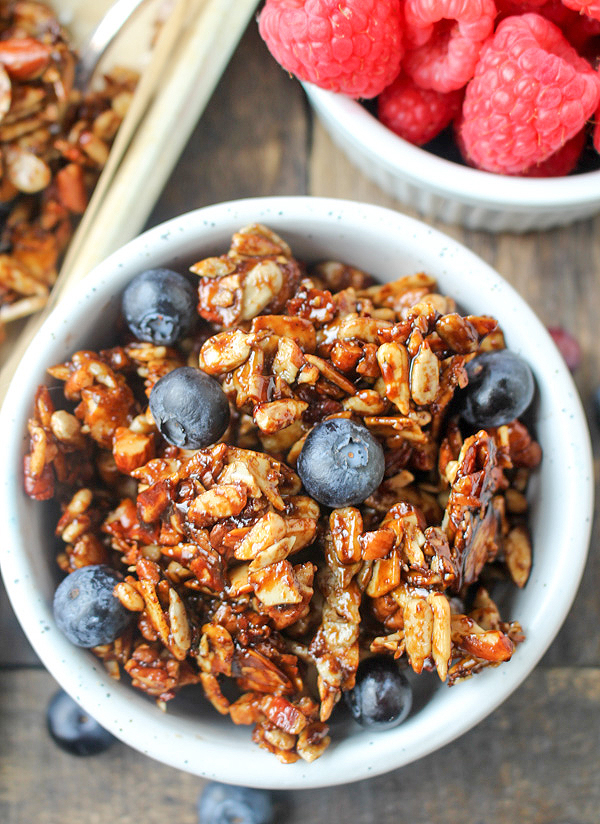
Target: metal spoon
x,y
102,36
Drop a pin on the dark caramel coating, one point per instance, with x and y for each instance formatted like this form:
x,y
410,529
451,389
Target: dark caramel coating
x,y
231,570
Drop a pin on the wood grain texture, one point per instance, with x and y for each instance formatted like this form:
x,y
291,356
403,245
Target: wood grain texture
x,y
535,760
15,650
251,141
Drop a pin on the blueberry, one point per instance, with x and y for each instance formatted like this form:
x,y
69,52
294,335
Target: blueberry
x,y
190,408
341,463
73,729
225,804
159,306
86,610
382,696
500,389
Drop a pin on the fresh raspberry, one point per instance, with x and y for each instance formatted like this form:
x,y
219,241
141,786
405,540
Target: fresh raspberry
x,y
415,36
416,114
580,30
530,94
559,164
562,162
348,46
506,8
596,131
457,29
589,7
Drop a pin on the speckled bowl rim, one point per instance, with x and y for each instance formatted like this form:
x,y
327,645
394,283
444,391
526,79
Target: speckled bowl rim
x,y
446,178
562,518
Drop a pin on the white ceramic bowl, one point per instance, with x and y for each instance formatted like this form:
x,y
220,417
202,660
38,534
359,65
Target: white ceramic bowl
x,y
447,191
387,244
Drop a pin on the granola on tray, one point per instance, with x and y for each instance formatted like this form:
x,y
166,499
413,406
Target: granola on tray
x,y
54,142
235,577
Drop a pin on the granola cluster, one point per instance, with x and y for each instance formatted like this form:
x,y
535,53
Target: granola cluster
x,y
54,142
237,579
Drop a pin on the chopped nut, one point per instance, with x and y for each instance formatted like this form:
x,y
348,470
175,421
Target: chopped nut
x,y
66,428
276,584
385,576
132,449
424,376
257,240
393,361
261,284
516,502
346,526
276,415
215,267
180,627
266,532
331,374
491,645
441,645
272,554
418,631
26,171
365,329
297,330
517,553
365,402
206,539
221,501
375,545
129,596
224,352
288,360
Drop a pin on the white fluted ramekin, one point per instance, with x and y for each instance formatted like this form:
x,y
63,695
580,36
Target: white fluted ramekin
x,y
443,190
191,735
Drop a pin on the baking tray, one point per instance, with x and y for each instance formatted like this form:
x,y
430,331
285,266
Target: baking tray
x,y
181,48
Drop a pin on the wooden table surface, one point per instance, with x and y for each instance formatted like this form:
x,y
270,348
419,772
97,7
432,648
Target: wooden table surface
x,y
535,760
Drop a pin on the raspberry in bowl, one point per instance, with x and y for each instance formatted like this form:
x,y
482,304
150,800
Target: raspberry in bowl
x,y
490,118
213,480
